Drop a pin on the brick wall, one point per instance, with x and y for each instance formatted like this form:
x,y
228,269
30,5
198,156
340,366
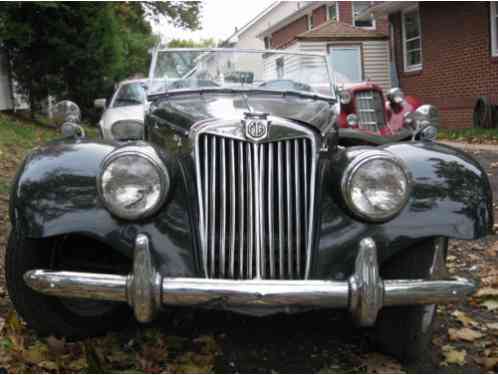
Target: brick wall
x,y
457,62
285,36
320,15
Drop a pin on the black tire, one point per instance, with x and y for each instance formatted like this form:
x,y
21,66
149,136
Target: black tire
x,y
51,315
406,332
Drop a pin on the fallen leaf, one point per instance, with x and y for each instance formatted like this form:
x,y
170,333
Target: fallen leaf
x,y
48,365
490,304
464,319
489,363
465,334
56,345
493,326
381,364
453,356
486,292
78,364
36,353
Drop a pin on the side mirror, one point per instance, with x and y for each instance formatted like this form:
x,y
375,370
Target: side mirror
x,y
100,103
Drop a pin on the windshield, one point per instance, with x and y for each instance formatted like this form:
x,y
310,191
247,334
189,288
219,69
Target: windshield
x,y
176,69
129,94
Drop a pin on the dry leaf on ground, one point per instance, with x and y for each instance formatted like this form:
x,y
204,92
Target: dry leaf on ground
x,y
453,356
381,364
465,334
464,319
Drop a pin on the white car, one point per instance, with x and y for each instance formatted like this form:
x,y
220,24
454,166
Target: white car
x,y
123,118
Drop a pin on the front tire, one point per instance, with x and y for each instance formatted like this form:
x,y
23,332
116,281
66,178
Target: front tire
x,y
406,332
51,315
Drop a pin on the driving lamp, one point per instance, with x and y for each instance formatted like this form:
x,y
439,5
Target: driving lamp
x,y
376,186
352,120
346,97
396,95
133,184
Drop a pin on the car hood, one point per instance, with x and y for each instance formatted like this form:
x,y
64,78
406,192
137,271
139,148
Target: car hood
x,y
132,112
182,111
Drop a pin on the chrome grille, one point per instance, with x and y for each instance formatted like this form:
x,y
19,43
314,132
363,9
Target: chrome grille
x,y
255,207
370,110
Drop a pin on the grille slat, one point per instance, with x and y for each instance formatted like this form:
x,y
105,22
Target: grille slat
x,y
281,215
255,201
270,209
370,108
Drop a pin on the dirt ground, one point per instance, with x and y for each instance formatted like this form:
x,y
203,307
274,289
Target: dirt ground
x,y
204,341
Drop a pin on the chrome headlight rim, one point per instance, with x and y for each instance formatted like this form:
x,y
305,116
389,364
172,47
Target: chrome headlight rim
x,y
355,165
150,156
396,96
346,96
120,122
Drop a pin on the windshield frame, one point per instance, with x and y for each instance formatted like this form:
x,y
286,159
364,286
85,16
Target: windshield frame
x,y
330,74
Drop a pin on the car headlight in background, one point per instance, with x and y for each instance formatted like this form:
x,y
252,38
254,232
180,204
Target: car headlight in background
x,y
127,130
376,186
133,184
352,120
346,96
396,95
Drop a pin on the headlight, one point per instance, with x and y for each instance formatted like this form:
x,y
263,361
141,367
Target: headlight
x,y
133,184
396,95
352,120
376,186
127,130
346,96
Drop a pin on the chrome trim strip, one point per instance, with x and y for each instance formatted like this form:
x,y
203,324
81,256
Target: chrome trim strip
x,y
242,225
212,220
290,250
144,289
251,212
297,205
223,224
281,218
270,205
233,201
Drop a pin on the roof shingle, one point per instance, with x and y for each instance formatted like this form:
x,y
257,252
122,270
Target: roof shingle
x,y
339,31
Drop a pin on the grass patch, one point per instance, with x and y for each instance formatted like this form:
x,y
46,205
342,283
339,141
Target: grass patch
x,y
4,186
23,134
471,135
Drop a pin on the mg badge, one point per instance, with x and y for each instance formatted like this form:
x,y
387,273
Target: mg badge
x,y
256,129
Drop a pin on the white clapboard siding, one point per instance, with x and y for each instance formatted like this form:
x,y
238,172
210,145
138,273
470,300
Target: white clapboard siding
x,y
376,62
375,59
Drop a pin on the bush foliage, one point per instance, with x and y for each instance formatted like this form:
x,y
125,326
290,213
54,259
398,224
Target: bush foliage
x,y
78,50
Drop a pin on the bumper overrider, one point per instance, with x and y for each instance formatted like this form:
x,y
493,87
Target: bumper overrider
x,y
364,294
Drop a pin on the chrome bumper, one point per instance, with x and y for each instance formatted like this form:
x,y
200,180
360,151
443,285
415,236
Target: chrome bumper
x,y
364,294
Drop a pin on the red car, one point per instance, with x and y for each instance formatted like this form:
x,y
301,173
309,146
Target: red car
x,y
363,106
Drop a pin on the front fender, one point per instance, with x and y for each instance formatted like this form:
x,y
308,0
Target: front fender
x,y
55,193
451,197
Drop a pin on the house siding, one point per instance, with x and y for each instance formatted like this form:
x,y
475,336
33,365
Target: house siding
x,y
457,62
375,59
286,35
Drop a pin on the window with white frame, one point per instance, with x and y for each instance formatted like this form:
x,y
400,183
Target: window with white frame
x,y
311,21
412,40
333,12
493,13
360,7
